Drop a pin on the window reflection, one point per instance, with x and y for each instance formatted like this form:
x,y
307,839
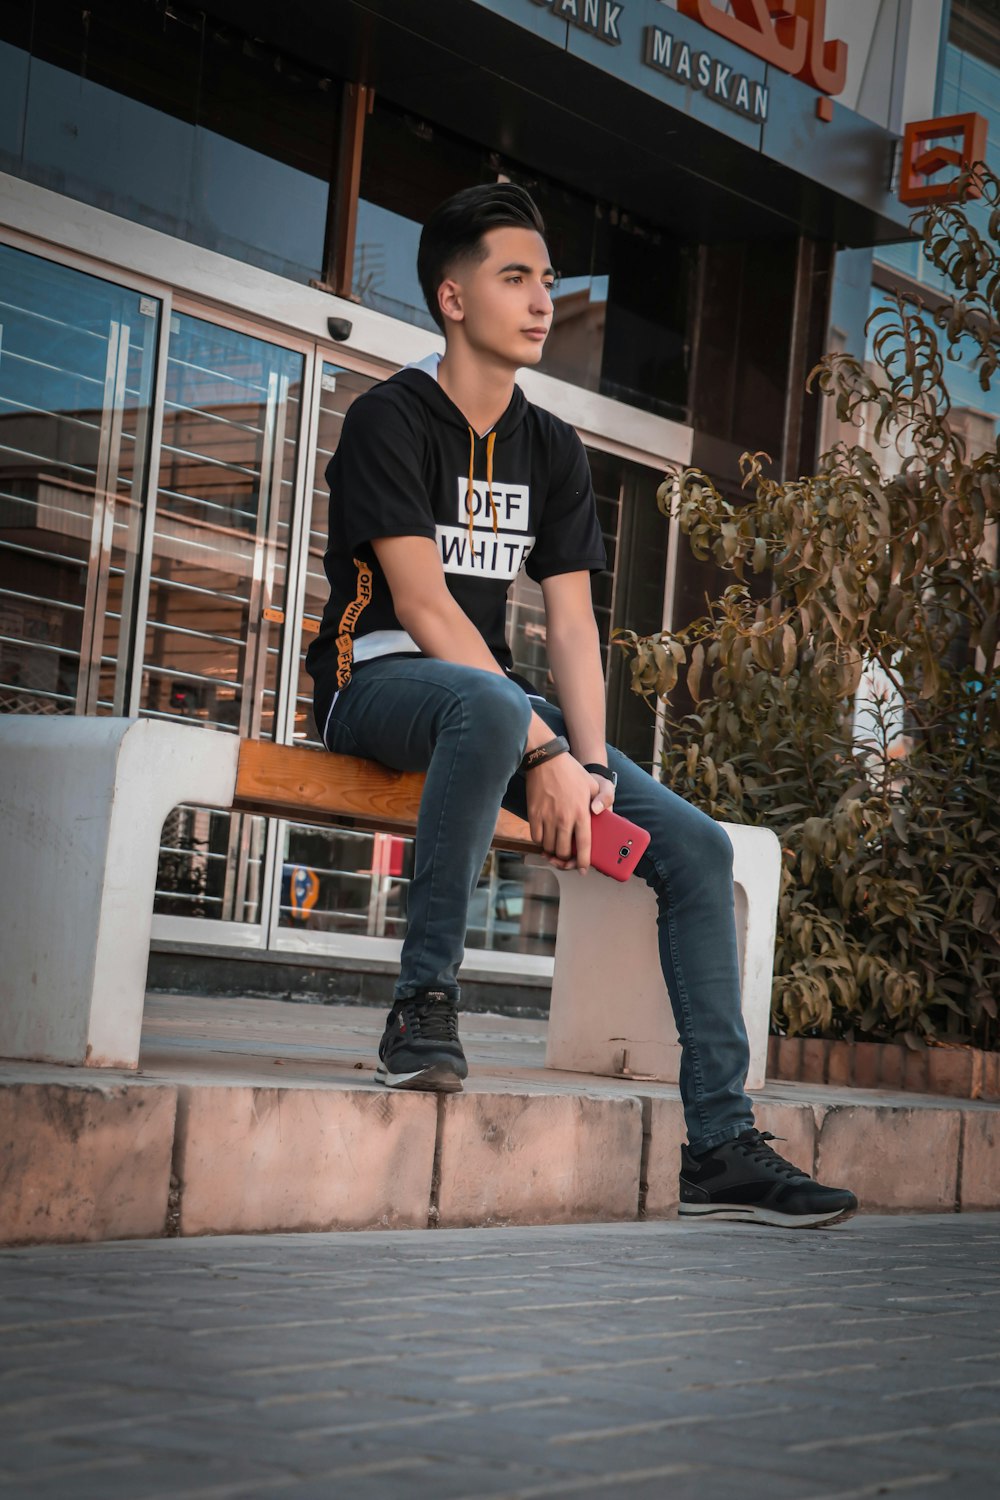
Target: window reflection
x,y
620,319
575,345
158,114
76,369
409,166
217,603
385,265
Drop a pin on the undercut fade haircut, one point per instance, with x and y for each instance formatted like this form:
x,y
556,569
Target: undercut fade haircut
x,y
454,232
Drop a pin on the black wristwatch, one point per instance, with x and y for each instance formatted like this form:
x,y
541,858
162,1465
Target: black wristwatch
x,y
557,746
605,771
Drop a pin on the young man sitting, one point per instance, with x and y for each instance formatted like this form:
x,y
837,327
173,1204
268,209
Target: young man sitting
x,y
445,483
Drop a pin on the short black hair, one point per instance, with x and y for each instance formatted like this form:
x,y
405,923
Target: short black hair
x,y
455,231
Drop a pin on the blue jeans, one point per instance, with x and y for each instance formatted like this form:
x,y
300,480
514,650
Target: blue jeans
x,y
467,729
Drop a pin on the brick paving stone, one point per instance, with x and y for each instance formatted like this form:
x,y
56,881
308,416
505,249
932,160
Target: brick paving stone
x,y
627,1361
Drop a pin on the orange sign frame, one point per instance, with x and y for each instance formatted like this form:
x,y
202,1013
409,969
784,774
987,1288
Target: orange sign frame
x,y
921,159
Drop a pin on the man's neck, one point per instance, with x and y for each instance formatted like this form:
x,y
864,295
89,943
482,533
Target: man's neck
x,y
481,389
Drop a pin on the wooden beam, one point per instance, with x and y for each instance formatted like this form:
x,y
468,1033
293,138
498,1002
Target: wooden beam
x,y
313,786
345,189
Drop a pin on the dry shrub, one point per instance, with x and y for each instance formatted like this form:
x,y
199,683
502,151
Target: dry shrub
x,y
889,922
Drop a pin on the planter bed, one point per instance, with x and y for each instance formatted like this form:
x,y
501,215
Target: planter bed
x,y
956,1071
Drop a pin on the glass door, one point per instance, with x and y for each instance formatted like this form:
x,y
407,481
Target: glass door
x,y
77,361
333,880
214,624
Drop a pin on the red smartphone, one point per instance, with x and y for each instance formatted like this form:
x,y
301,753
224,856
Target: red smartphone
x,y
616,845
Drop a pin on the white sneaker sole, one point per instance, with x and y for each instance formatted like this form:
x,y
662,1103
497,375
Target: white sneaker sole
x,y
750,1215
436,1079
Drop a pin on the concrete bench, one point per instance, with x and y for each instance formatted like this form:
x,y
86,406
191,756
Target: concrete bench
x,y
82,804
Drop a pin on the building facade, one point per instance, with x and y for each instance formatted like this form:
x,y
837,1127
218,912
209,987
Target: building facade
x,y
208,226
968,83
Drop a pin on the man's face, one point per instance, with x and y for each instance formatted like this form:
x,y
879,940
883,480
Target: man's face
x,y
503,303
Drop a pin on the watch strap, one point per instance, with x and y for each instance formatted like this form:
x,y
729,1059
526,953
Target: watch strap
x,y
605,771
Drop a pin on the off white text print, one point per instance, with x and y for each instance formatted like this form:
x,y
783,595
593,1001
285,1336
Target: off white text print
x,y
490,554
487,556
511,501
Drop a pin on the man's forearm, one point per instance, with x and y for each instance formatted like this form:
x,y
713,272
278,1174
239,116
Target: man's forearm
x,y
575,660
447,633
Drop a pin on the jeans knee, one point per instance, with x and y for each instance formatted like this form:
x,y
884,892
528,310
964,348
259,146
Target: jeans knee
x,y
700,843
497,712
713,847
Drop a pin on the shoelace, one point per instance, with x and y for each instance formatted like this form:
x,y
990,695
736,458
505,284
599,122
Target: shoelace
x,y
432,1020
756,1148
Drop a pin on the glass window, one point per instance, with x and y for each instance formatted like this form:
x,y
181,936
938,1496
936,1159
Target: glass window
x,y
974,27
336,879
162,116
77,356
15,36
645,361
409,166
339,387
620,321
526,606
231,415
576,231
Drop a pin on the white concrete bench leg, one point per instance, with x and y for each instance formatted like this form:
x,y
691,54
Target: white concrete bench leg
x,y
608,991
82,803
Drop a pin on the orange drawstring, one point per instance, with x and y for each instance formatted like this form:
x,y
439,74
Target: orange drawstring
x,y
491,439
470,492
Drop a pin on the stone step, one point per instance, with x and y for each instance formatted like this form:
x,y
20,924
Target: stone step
x,y
258,1116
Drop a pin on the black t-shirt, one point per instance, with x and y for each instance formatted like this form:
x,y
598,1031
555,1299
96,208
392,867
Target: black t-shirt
x,y
402,468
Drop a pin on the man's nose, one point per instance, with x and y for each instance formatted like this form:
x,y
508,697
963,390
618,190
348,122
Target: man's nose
x,y
541,302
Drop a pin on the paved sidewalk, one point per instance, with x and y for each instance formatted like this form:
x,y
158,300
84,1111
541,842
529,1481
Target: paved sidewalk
x,y
630,1362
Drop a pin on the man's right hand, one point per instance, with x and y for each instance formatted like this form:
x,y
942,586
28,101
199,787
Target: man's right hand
x,y
560,793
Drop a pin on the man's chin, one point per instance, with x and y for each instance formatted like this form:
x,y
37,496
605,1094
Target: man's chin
x,y
525,353
530,352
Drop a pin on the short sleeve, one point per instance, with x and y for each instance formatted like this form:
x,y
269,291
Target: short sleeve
x,y
569,534
376,476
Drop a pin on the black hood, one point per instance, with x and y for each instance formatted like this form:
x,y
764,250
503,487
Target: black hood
x,y
441,407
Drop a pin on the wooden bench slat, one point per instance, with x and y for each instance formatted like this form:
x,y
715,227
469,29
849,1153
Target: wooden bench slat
x,y
314,786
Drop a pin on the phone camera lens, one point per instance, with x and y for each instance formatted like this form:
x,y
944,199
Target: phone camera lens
x,y
624,851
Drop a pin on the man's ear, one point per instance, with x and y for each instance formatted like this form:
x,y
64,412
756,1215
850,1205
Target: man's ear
x,y
450,301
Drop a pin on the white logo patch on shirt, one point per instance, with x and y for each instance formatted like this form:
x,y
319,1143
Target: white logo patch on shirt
x,y
490,554
487,556
511,501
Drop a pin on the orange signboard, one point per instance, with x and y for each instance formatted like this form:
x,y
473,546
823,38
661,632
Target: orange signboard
x,y
788,34
925,154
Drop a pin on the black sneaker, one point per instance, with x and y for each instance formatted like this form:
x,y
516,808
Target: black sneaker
x,y
745,1179
420,1047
